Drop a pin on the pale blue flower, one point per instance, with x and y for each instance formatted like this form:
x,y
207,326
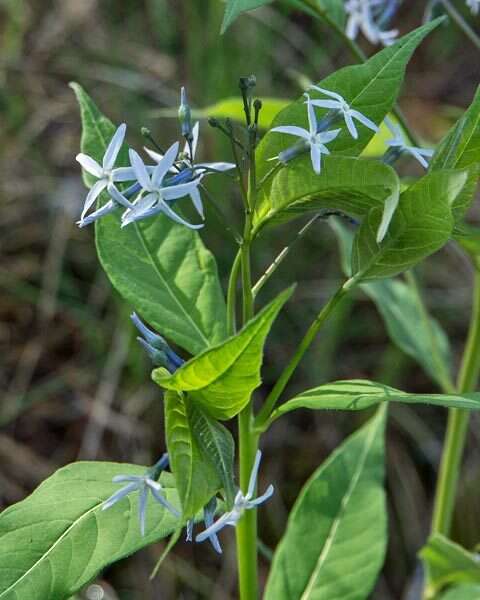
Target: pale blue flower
x,y
187,162
208,515
156,347
398,143
310,139
366,16
105,173
474,6
241,503
156,193
338,103
142,484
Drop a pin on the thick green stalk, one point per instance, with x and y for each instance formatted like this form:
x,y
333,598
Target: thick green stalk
x,y
246,530
457,426
263,416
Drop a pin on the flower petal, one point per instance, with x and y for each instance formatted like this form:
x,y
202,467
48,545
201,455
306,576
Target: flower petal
x,y
164,165
177,218
90,165
254,475
197,201
316,157
123,174
363,119
312,117
327,136
141,206
334,104
173,192
216,166
94,192
117,496
118,197
140,170
350,125
327,93
263,498
107,208
214,528
142,509
113,148
156,156
292,130
164,502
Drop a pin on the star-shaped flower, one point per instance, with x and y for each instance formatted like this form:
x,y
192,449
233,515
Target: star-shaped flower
x,y
366,16
105,173
187,158
311,138
339,103
143,484
157,191
241,503
398,143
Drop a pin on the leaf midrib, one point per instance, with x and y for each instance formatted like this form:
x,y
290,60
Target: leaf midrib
x,y
336,523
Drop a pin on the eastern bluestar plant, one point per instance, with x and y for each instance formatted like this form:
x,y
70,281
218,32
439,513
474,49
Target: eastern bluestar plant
x,y
155,258
370,17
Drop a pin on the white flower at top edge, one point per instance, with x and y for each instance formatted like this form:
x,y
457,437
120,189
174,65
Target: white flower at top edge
x,y
313,139
361,18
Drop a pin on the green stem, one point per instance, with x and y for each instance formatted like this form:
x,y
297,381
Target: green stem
x,y
457,425
246,530
232,295
460,23
261,422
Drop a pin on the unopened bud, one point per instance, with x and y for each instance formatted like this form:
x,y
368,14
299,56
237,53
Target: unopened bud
x,y
185,115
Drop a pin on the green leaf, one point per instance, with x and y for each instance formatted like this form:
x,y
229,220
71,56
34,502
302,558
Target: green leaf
x,y
460,148
421,225
161,268
334,9
351,185
237,7
334,545
222,379
408,323
448,563
358,394
232,108
196,478
372,88
462,592
58,539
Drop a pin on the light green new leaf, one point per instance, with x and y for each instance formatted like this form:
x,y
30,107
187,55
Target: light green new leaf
x,y
231,108
161,268
372,88
358,394
235,8
421,225
58,539
460,148
222,379
351,185
462,592
196,477
408,323
334,545
448,563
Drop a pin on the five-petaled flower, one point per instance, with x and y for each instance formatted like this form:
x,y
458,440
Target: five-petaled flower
x,y
398,143
143,484
105,173
339,103
157,190
241,503
311,138
367,16
190,169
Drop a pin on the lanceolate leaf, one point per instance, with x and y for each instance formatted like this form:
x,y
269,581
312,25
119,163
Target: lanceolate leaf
x,y
161,268
196,477
351,185
222,379
335,540
421,225
58,539
408,322
237,7
448,563
358,394
372,88
460,148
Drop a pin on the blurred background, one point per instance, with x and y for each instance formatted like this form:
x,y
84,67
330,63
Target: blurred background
x,y
75,385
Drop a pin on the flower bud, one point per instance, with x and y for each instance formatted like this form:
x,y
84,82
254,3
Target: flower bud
x,y
185,115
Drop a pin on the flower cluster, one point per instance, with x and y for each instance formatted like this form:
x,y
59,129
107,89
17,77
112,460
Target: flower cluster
x,y
370,17
143,484
154,188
